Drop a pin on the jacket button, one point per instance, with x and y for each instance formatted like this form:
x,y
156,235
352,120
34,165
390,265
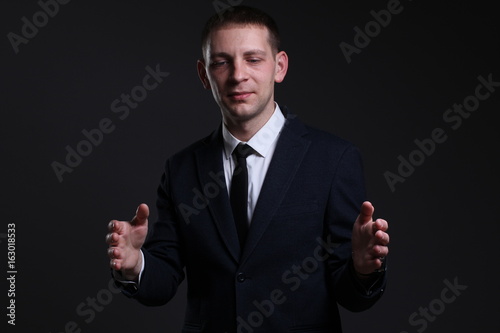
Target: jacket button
x,y
240,277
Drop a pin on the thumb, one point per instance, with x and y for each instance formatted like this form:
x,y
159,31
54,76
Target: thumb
x,y
366,213
141,215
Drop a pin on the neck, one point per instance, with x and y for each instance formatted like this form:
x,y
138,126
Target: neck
x,y
244,130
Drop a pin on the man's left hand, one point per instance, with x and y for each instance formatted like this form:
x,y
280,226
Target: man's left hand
x,y
369,241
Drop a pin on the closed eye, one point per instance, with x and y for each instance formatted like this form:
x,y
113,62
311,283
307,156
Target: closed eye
x,y
219,63
254,60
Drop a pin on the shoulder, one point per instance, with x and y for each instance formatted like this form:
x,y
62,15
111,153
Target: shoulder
x,y
325,137
318,139
185,157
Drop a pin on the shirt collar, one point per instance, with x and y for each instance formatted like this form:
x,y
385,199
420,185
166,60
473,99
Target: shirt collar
x,y
262,141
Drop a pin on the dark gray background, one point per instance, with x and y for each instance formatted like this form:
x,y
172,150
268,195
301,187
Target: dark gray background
x,y
443,219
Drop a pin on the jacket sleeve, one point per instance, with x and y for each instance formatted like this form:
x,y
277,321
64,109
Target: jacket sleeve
x,y
164,264
347,193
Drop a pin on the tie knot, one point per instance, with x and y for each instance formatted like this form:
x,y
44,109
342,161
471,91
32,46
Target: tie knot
x,y
242,151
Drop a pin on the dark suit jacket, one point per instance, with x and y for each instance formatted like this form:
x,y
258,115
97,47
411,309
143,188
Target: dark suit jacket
x,y
295,267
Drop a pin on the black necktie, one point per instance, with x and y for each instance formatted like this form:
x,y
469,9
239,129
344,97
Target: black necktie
x,y
239,191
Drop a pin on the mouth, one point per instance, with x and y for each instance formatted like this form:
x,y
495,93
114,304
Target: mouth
x,y
239,95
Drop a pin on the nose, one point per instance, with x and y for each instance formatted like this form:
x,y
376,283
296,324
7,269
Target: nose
x,y
239,72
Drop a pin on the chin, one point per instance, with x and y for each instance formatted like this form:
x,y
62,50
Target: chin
x,y
241,114
241,110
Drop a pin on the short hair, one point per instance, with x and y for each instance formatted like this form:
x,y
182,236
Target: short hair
x,y
242,15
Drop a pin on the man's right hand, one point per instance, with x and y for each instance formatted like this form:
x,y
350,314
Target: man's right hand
x,y
125,240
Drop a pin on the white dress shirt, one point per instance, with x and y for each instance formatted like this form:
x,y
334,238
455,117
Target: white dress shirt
x,y
264,143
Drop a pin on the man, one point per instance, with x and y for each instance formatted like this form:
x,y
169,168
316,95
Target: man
x,y
281,258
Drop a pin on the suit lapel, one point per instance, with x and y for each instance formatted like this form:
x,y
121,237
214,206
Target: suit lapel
x,y
210,166
288,155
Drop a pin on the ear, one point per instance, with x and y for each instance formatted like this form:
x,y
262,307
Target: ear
x,y
202,74
281,66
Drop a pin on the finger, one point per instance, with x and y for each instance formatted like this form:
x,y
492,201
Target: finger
x,y
377,225
112,238
114,253
379,251
366,213
382,238
115,264
141,215
381,224
379,262
116,226
108,238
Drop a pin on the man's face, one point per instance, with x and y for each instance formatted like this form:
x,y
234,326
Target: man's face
x,y
241,68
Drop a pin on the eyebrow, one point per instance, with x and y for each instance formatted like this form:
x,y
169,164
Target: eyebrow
x,y
246,53
253,52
